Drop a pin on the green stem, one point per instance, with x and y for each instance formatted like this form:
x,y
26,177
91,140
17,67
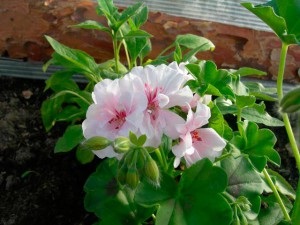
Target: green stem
x,y
116,53
161,158
165,50
296,207
277,196
285,117
126,51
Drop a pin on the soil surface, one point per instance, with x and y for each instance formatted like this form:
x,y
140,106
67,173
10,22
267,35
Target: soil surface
x,y
36,185
40,187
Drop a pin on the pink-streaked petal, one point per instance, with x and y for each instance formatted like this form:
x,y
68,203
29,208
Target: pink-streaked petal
x,y
163,100
171,120
179,149
180,97
211,138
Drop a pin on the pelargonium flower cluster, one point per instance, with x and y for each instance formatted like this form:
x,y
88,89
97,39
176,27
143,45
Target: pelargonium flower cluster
x,y
141,102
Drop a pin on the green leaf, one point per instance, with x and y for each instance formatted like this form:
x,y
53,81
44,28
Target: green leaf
x,y
218,123
245,101
93,25
195,43
107,8
70,139
110,202
84,156
49,110
261,92
137,34
195,200
61,80
271,212
248,71
257,143
127,13
281,16
243,180
70,113
140,17
257,113
210,80
74,59
148,195
237,86
192,41
282,185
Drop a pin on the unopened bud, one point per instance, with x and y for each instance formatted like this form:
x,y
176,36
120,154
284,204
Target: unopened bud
x,y
151,171
244,203
95,143
121,145
132,178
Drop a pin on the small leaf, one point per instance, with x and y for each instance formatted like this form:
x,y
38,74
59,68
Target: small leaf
x,y
70,139
245,101
140,17
127,13
94,25
257,143
192,41
137,34
133,138
210,80
247,71
141,140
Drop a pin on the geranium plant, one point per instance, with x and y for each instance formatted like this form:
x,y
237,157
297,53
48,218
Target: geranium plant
x,y
181,141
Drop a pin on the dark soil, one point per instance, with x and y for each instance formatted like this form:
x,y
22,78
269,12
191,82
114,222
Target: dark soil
x,y
38,187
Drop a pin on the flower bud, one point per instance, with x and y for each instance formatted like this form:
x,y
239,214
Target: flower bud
x,y
121,145
151,171
95,143
132,177
244,203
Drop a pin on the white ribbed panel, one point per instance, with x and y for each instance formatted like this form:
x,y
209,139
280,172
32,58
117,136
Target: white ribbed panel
x,y
223,11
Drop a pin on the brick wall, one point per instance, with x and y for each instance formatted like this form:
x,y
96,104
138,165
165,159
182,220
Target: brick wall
x,y
23,24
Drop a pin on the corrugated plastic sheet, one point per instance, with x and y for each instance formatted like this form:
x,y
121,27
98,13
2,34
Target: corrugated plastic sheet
x,y
222,11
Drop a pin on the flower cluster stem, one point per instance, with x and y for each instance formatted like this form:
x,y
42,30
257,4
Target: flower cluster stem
x,y
277,196
285,117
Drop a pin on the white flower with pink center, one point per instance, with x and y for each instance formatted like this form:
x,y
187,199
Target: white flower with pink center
x,y
117,109
195,142
164,88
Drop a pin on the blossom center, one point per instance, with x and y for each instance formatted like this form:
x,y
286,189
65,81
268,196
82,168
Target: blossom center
x,y
118,120
195,136
153,104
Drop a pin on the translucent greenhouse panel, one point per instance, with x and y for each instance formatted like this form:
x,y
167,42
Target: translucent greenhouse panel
x,y
223,11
